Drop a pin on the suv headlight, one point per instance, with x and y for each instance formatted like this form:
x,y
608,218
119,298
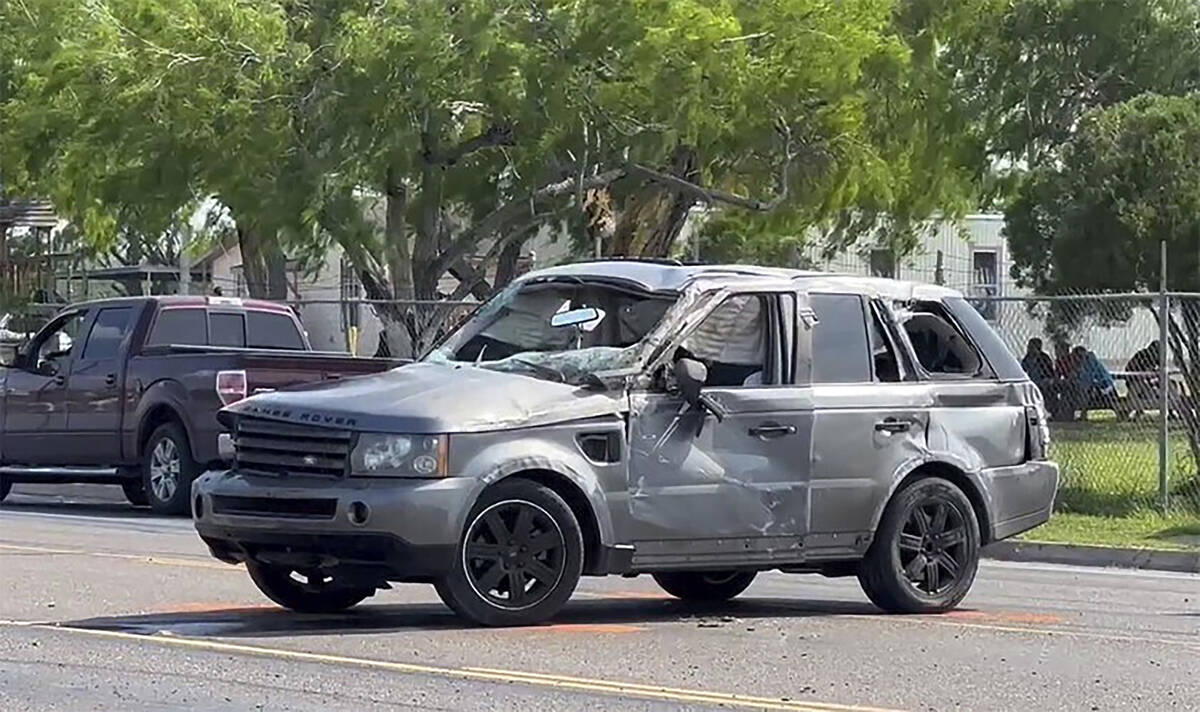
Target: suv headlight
x,y
388,455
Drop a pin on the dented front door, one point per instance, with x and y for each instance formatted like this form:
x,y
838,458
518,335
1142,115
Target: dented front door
x,y
701,486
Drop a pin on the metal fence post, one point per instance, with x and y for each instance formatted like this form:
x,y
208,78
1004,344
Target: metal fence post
x,y
1164,386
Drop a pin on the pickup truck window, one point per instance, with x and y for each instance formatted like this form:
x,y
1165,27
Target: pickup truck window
x,y
225,329
55,346
267,330
179,326
108,331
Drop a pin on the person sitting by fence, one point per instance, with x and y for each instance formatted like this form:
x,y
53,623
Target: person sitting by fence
x,y
1038,366
1066,396
1097,387
1143,379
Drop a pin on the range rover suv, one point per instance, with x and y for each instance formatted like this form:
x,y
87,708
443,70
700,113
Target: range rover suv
x,y
697,424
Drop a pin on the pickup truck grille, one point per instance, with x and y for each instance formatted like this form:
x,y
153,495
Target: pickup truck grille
x,y
271,448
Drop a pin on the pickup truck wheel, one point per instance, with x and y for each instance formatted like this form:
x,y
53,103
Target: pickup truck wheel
x,y
926,551
520,557
5,488
135,492
704,586
305,591
168,470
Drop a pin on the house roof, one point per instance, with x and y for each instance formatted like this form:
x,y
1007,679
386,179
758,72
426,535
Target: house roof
x,y
27,213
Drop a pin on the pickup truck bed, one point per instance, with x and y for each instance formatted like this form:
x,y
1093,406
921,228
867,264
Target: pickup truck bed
x,y
127,390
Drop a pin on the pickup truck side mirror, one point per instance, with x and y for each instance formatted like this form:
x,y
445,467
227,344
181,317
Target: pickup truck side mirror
x,y
690,375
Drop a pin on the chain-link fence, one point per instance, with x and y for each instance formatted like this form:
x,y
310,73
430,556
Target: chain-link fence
x,y
1100,365
1094,357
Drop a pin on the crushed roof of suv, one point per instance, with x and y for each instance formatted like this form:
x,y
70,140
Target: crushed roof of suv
x,y
659,276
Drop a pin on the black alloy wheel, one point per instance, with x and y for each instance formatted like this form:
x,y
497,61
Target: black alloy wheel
x,y
520,557
925,553
932,546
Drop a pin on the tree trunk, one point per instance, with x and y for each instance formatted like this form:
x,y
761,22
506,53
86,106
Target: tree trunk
x,y
653,217
254,265
506,265
276,270
395,237
426,244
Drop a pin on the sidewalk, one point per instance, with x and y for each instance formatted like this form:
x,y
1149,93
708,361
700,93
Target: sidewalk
x,y
1101,556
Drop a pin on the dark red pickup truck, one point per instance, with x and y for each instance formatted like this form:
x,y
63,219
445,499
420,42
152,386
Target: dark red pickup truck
x,y
126,391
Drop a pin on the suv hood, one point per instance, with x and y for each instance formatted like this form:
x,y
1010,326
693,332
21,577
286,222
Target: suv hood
x,y
432,398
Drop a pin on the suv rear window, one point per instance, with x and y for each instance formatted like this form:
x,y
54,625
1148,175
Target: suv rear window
x,y
269,330
839,340
179,326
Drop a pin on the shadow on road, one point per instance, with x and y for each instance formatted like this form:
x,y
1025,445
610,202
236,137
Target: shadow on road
x,y
40,505
270,622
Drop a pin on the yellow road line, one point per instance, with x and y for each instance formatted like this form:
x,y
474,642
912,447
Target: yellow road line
x,y
486,674
160,560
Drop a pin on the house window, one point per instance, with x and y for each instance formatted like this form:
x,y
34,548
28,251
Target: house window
x,y
883,263
985,283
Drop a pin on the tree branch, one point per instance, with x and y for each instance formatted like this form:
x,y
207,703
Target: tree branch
x,y
496,135
496,219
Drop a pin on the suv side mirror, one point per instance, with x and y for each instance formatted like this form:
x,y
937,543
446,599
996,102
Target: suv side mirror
x,y
690,375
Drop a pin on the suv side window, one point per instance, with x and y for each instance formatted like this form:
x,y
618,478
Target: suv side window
x,y
940,348
732,342
840,350
107,333
187,326
885,365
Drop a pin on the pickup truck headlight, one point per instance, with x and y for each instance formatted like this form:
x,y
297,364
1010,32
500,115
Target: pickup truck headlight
x,y
388,455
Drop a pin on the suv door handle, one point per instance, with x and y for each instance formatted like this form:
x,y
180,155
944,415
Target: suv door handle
x,y
893,425
772,430
110,379
60,380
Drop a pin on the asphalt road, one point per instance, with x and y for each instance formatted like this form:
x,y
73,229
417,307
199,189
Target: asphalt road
x,y
106,607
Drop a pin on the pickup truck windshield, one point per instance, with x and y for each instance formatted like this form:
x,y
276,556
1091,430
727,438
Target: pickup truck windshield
x,y
558,330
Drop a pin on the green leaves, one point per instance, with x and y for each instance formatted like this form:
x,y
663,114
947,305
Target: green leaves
x,y
1128,179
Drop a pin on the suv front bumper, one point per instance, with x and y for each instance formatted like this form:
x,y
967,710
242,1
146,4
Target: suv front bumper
x,y
406,529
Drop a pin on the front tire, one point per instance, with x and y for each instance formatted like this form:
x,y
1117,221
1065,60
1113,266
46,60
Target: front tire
x,y
305,591
519,558
926,550
168,470
704,586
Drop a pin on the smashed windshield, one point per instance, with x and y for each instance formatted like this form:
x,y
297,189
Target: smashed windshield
x,y
558,330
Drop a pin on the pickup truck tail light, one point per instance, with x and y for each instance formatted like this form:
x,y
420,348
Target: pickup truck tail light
x,y
231,386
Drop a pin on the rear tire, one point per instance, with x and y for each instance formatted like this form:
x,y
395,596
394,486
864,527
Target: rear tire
x,y
925,552
135,492
316,593
519,558
704,586
168,470
5,488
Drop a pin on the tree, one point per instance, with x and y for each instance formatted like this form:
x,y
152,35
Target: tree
x,y
1128,179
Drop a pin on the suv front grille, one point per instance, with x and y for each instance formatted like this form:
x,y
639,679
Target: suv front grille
x,y
272,448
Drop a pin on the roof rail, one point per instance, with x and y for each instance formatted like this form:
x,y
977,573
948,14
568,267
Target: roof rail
x,y
671,261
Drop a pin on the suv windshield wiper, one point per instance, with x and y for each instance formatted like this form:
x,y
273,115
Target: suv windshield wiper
x,y
545,371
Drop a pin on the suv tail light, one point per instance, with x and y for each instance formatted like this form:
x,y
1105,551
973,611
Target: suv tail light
x,y
231,386
1037,426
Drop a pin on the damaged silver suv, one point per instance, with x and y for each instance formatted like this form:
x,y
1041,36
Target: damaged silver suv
x,y
698,424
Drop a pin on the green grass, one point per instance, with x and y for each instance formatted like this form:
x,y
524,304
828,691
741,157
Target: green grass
x,y
1111,469
1109,493
1144,530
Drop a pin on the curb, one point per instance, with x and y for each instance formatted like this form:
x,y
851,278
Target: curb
x,y
1096,556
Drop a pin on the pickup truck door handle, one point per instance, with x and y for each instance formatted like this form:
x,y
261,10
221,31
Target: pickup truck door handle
x,y
772,430
893,425
60,380
110,379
